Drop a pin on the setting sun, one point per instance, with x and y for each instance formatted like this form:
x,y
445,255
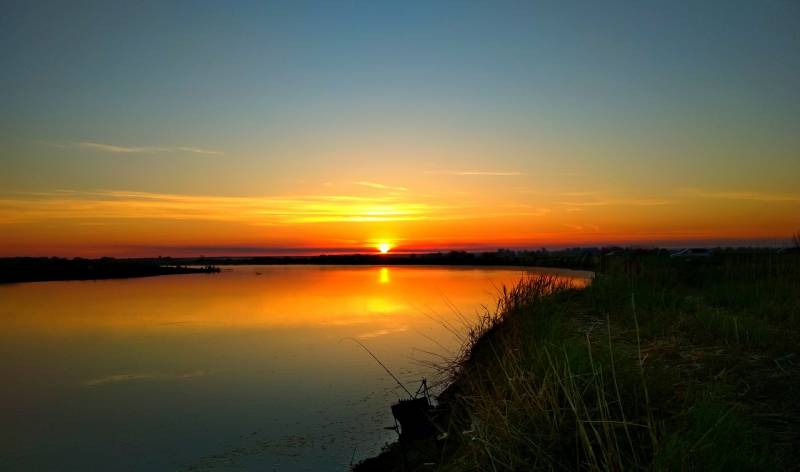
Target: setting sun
x,y
384,247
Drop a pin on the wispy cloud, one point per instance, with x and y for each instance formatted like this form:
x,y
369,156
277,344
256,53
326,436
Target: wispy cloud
x,y
752,196
570,194
117,149
197,150
101,206
381,332
618,202
110,148
271,210
583,227
474,172
380,186
521,209
582,199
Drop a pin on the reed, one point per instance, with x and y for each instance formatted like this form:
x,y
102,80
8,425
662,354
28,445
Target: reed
x,y
680,366
531,391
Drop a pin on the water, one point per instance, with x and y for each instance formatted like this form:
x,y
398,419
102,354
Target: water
x,y
250,368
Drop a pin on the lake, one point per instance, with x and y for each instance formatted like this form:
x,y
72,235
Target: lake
x,y
254,367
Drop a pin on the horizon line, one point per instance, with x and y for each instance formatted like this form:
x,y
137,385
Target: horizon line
x,y
247,252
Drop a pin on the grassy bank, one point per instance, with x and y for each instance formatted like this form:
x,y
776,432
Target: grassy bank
x,y
658,364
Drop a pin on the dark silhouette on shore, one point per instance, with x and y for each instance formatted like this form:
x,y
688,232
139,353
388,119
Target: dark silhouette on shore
x,y
576,258
40,269
581,258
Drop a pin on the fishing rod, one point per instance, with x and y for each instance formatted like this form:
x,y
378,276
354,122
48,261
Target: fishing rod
x,y
381,364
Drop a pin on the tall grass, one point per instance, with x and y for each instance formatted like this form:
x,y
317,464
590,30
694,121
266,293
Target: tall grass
x,y
531,395
644,372
674,366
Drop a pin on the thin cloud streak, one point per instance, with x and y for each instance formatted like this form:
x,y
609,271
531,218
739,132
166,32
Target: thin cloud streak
x,y
742,195
274,210
580,194
117,149
474,172
376,185
619,202
109,205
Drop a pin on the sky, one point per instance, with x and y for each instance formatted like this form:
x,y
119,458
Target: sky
x,y
188,128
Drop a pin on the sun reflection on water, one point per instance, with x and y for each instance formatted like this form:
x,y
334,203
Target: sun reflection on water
x,y
384,275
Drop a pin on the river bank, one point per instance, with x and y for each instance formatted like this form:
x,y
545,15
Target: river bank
x,y
658,364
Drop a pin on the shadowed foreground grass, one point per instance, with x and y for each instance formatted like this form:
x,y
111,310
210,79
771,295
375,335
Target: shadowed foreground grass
x,y
669,365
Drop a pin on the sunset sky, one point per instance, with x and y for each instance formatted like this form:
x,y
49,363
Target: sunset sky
x,y
178,128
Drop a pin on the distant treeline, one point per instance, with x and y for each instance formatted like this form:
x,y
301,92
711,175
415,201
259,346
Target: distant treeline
x,y
572,259
38,269
585,258
601,259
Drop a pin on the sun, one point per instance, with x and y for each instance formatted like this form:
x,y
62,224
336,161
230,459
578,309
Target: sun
x,y
384,247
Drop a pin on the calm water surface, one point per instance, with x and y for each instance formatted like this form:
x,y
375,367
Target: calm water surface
x,y
250,368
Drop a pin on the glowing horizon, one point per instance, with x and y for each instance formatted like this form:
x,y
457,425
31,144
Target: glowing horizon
x,y
125,223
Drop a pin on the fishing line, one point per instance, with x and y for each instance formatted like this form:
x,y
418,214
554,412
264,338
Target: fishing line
x,y
380,363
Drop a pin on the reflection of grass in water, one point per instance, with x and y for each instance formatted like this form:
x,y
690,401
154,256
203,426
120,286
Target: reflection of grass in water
x,y
676,365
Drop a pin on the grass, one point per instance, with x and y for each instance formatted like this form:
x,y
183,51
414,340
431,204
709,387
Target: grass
x,y
657,365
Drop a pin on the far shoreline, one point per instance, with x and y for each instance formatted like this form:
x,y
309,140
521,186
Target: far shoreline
x,y
52,269
592,260
44,269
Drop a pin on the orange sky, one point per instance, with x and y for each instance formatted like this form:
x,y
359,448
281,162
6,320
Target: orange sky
x,y
146,224
266,128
